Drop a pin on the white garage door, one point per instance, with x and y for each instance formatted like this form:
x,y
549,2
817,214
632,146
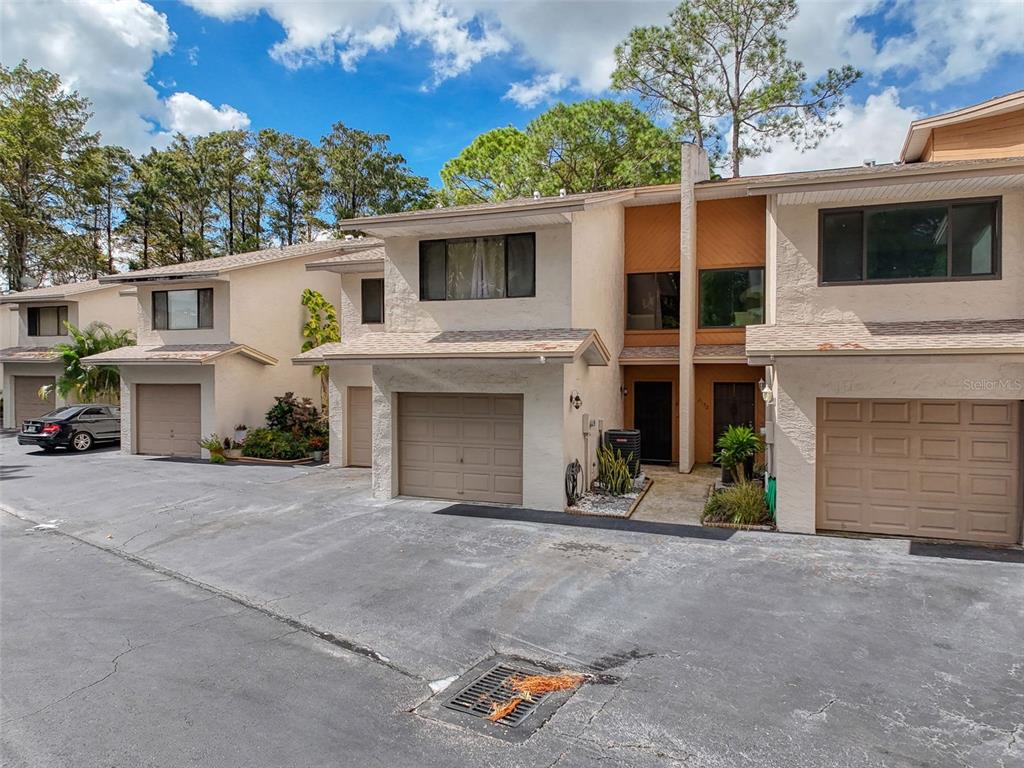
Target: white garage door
x,y
27,404
167,419
948,469
461,447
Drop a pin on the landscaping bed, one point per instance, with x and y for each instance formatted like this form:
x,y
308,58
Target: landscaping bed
x,y
599,503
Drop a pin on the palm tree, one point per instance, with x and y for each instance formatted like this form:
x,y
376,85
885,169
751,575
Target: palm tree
x,y
87,383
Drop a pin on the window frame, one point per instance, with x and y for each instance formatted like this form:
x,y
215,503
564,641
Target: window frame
x,y
700,296
997,242
167,313
505,235
662,329
62,312
362,300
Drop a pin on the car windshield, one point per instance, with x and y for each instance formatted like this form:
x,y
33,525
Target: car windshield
x,y
62,413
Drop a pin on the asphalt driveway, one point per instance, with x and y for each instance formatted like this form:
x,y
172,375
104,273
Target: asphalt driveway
x,y
752,650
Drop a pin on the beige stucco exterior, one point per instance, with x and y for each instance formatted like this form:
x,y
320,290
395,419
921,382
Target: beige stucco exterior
x,y
107,304
801,381
258,306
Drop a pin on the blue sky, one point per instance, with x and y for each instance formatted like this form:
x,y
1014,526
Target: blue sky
x,y
433,74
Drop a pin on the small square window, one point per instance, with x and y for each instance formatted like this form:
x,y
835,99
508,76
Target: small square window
x,y
47,321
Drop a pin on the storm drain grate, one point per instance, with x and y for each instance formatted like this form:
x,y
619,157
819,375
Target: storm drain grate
x,y
491,690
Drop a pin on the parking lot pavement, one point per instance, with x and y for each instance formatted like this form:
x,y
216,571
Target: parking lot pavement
x,y
756,650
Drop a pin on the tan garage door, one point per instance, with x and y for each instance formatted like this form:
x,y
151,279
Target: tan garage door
x,y
167,421
462,447
360,426
948,469
27,404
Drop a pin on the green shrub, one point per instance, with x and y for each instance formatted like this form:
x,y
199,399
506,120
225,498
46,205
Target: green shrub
x,y
742,504
265,443
613,471
714,511
735,446
290,414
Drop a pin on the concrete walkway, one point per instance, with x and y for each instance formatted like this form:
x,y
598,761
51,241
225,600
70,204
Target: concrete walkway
x,y
676,497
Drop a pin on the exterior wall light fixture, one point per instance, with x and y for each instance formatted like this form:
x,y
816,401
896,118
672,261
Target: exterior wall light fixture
x,y
575,400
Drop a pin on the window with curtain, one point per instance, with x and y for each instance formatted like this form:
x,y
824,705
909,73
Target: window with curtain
x,y
941,240
47,321
183,310
731,298
491,267
652,301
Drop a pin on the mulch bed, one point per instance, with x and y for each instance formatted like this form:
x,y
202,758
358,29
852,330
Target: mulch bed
x,y
598,504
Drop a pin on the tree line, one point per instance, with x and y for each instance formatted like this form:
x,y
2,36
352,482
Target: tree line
x,y
73,208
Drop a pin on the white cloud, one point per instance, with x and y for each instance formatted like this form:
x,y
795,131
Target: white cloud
x,y
193,116
532,92
104,49
872,131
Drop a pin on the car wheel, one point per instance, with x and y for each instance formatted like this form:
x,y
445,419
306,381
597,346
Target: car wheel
x,y
81,441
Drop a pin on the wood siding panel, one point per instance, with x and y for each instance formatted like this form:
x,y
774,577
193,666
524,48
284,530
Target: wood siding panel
x,y
705,376
731,233
997,136
652,238
635,373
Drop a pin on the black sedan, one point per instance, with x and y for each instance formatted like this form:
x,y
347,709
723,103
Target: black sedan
x,y
76,427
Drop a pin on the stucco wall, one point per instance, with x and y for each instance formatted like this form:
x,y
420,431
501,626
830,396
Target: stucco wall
x,y
800,300
598,302
800,382
350,311
343,376
10,370
541,387
219,334
403,311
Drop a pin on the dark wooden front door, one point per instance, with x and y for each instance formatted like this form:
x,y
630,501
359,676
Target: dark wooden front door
x,y
734,406
652,415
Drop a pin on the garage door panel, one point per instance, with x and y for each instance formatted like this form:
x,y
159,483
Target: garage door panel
x,y
27,404
883,412
461,447
952,470
168,419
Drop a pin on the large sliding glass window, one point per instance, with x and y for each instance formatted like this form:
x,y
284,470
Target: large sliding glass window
x,y
492,267
183,310
652,301
47,321
919,241
731,298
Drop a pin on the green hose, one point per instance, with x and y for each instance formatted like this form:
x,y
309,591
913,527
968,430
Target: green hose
x,y
769,495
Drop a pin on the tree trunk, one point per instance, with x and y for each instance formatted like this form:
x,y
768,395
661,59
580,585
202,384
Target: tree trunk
x,y
110,231
231,220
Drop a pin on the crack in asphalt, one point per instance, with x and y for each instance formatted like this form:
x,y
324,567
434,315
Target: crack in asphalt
x,y
302,626
114,661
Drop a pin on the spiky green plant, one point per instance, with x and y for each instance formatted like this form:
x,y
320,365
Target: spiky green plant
x,y
613,470
735,446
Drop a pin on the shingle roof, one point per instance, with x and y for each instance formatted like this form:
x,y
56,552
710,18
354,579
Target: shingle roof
x,y
718,351
564,344
27,355
648,355
212,267
53,292
200,354
951,336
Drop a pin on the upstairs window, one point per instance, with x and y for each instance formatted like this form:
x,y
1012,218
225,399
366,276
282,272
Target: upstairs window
x,y
372,300
47,321
912,242
183,310
652,301
492,267
731,298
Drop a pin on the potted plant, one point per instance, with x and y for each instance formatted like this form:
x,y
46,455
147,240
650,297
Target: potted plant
x,y
736,450
241,430
215,446
317,446
232,449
